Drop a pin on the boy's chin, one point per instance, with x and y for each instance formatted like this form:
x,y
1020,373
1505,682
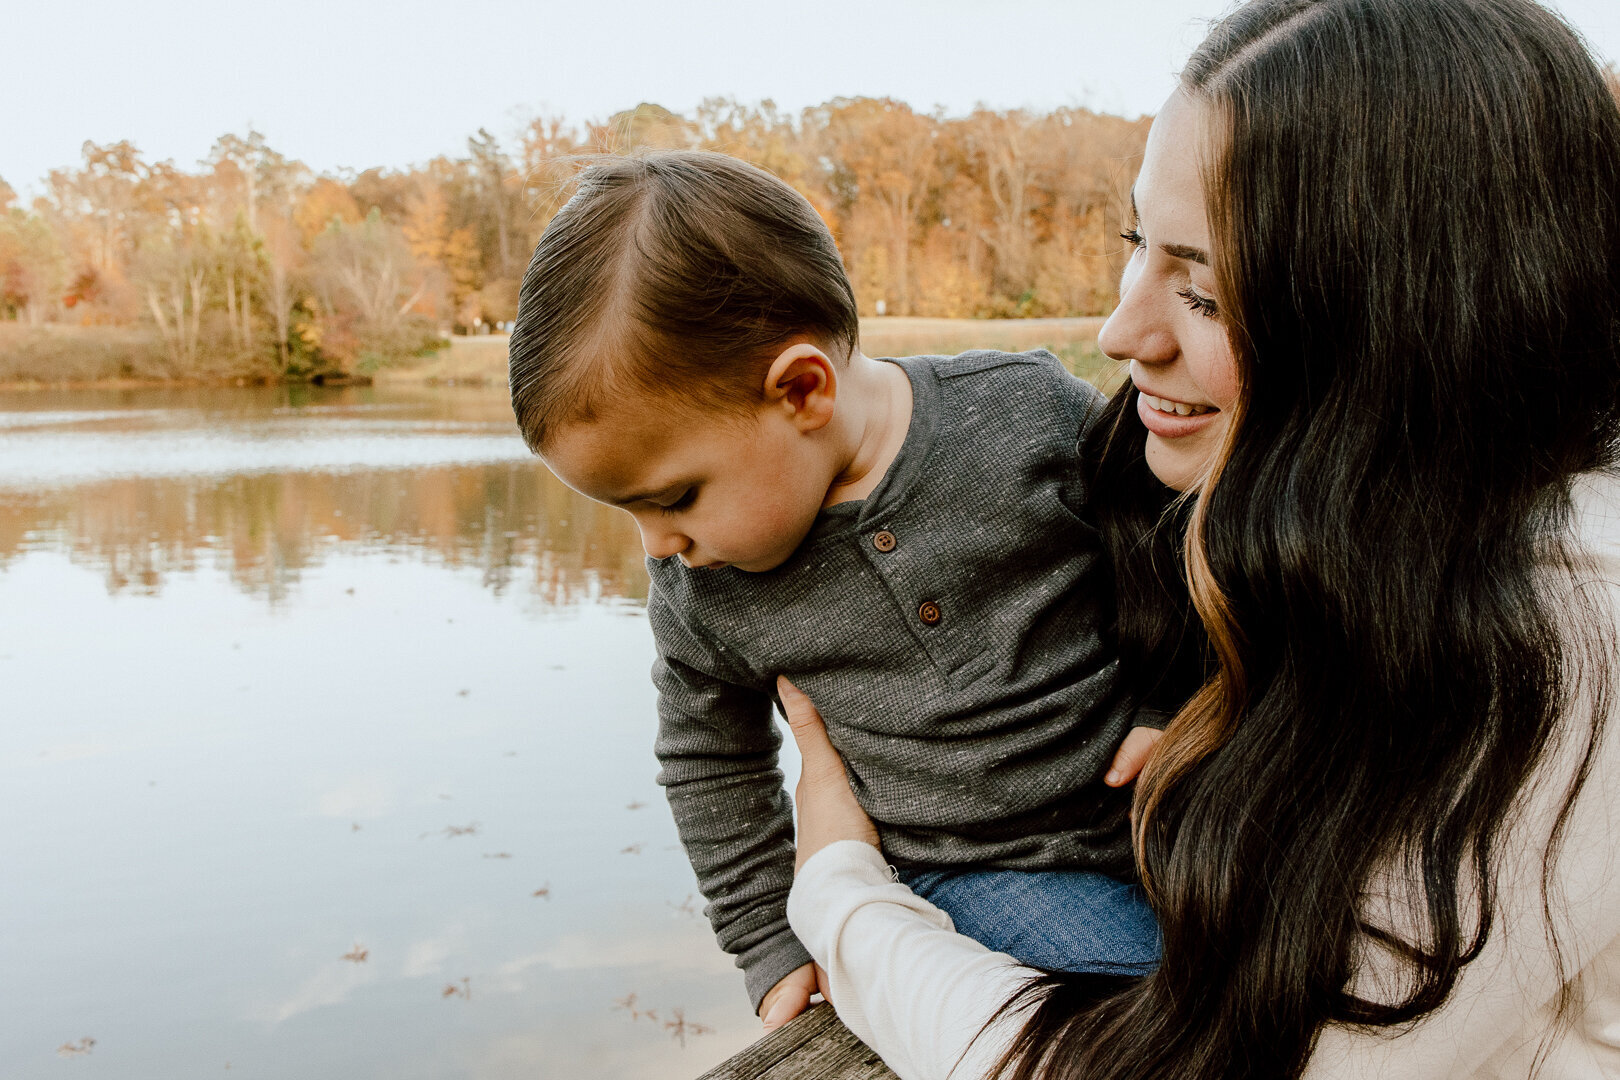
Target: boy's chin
x,y
757,566
761,565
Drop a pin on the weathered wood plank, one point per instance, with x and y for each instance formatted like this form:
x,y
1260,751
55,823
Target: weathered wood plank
x,y
814,1046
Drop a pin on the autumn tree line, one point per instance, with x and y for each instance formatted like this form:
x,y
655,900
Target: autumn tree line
x,y
251,265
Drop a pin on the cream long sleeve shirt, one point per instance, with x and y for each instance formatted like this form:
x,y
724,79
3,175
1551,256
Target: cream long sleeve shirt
x,y
918,993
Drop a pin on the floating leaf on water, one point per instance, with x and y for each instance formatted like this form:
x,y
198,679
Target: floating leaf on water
x,y
76,1049
680,1027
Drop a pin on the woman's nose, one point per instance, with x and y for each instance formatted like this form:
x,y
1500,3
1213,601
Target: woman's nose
x,y
1140,328
659,542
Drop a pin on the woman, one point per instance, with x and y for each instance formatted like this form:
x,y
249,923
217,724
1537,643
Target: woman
x,y
1373,325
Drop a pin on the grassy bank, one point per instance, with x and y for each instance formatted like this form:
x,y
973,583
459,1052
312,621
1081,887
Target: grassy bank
x,y
469,360
110,355
483,359
81,354
57,354
1074,341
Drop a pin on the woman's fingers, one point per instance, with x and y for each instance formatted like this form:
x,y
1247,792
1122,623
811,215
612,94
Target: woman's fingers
x,y
821,984
827,808
1132,755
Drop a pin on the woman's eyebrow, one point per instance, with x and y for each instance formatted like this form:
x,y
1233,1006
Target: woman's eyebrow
x,y
1175,251
1182,251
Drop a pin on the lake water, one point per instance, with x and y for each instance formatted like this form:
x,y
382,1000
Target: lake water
x,y
326,752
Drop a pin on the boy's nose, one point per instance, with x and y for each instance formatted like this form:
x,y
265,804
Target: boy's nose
x,y
662,543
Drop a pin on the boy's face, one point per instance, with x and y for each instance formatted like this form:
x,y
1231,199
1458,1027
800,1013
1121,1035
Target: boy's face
x,y
714,489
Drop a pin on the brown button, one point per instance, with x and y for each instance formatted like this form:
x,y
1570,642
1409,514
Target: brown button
x,y
929,612
884,540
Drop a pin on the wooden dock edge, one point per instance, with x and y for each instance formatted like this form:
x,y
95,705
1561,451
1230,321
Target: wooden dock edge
x,y
813,1046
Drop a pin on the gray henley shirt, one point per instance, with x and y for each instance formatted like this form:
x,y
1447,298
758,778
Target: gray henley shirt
x,y
950,628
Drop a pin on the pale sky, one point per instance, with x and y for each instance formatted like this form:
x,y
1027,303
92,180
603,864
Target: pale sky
x,y
340,84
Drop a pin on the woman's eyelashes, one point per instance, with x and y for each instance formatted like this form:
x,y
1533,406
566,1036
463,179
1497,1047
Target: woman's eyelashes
x,y
1204,305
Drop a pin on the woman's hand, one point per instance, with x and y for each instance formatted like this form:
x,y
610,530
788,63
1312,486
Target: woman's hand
x,y
827,808
1132,755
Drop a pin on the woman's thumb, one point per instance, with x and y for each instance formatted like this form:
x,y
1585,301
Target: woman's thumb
x,y
808,730
828,810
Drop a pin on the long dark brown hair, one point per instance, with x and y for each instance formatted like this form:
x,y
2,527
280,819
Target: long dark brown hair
x,y
1415,206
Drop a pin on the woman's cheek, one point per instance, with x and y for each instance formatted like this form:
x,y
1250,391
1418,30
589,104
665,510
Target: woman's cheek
x,y
1217,373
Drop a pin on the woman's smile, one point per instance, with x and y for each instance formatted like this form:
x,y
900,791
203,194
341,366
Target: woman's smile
x,y
1172,419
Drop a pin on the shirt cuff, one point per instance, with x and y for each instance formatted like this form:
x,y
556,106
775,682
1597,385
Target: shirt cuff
x,y
1147,717
769,962
852,857
837,880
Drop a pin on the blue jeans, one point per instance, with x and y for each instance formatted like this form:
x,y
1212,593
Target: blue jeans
x,y
1060,920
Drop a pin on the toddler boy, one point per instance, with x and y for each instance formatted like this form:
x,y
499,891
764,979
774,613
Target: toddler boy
x,y
905,540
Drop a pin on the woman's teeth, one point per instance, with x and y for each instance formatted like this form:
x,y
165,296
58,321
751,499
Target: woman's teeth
x,y
1175,408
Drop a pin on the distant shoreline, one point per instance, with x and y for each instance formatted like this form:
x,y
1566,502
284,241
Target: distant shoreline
x,y
482,360
81,353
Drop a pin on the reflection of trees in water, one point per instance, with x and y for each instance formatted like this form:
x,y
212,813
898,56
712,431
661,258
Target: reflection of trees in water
x,y
513,521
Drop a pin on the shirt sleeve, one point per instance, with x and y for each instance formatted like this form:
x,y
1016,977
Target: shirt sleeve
x,y
1149,717
717,750
1081,405
899,975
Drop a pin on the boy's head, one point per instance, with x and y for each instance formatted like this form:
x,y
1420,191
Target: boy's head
x,y
681,326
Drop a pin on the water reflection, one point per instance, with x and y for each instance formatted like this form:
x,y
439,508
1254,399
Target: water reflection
x,y
325,752
267,483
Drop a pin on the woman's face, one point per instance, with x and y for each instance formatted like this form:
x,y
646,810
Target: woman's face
x,y
1167,324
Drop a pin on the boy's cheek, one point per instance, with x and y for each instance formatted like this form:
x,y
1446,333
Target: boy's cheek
x,y
763,543
768,557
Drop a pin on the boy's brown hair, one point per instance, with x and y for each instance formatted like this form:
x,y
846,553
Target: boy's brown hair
x,y
672,271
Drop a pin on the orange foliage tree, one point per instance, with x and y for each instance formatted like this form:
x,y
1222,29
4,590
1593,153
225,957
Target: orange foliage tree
x,y
251,265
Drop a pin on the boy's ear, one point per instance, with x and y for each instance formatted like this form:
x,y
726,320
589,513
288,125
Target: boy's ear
x,y
803,381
